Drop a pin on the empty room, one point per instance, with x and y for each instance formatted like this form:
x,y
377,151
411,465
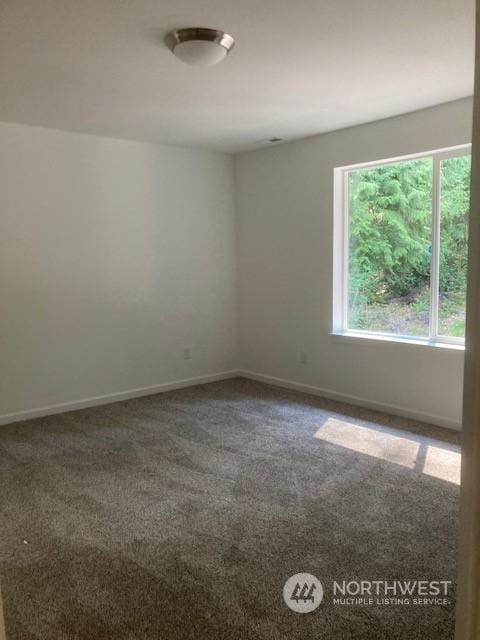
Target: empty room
x,y
239,320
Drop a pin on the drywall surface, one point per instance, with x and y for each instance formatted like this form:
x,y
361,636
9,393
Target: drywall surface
x,y
115,256
284,241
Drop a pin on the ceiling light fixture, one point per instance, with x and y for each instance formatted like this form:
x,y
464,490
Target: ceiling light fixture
x,y
201,46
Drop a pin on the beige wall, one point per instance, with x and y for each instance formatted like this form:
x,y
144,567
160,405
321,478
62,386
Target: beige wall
x,y
468,590
2,625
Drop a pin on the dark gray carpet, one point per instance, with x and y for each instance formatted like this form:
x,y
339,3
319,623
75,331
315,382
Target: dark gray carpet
x,y
181,516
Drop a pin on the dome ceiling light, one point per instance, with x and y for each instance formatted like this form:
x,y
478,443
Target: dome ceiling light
x,y
200,46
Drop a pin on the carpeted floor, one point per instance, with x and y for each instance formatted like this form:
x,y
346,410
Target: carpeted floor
x,y
182,515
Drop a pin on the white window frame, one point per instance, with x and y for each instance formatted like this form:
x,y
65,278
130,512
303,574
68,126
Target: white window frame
x,y
341,247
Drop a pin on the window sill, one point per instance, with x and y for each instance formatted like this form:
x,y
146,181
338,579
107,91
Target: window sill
x,y
352,336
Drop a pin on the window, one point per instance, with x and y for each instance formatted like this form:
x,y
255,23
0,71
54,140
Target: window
x,y
400,247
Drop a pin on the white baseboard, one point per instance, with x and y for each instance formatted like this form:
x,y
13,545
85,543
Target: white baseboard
x,y
95,401
403,412
113,397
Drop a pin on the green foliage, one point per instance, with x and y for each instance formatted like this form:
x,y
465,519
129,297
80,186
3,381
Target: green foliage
x,y
390,210
454,223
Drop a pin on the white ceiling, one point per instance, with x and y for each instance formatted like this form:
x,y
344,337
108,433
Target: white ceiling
x,y
298,68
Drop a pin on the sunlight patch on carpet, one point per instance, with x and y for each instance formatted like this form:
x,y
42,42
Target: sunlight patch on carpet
x,y
443,463
372,442
433,458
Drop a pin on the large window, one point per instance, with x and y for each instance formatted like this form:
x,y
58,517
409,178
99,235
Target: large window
x,y
401,247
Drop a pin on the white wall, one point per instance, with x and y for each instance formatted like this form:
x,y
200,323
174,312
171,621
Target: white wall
x,y
114,255
285,215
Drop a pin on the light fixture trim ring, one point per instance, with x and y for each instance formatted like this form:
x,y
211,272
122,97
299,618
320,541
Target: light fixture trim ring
x,y
189,34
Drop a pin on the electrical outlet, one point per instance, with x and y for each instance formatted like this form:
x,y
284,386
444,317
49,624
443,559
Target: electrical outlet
x,y
303,357
187,353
